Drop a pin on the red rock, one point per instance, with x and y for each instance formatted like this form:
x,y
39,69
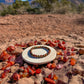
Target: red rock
x,y
35,42
30,44
63,42
64,48
3,75
38,71
81,51
72,61
48,80
31,71
51,75
44,40
65,59
53,66
72,49
49,65
12,58
55,77
4,56
16,76
58,41
10,48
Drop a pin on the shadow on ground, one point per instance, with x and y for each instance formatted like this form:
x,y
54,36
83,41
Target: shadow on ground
x,y
79,21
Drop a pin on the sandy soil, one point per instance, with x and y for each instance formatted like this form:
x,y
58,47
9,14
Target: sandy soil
x,y
20,26
24,28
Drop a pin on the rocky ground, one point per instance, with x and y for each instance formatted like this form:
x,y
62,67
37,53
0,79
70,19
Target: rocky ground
x,y
20,26
25,28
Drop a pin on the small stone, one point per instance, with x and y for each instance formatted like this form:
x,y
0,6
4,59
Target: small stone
x,y
81,51
14,68
26,81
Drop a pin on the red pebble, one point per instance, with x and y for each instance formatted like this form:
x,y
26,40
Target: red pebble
x,y
12,58
35,42
7,70
58,41
65,59
63,42
53,66
49,80
44,40
4,56
55,41
38,71
72,61
64,48
10,48
3,75
51,75
49,65
72,49
31,71
16,76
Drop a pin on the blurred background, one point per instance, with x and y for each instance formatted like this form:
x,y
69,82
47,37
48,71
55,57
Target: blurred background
x,y
41,7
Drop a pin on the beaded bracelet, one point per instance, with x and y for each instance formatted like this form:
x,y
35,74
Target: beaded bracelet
x,y
40,56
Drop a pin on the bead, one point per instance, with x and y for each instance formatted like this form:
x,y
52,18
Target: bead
x,y
39,56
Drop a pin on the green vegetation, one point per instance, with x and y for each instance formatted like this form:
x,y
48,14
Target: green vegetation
x,y
41,6
19,7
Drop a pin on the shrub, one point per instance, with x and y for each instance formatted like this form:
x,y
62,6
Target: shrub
x,y
34,11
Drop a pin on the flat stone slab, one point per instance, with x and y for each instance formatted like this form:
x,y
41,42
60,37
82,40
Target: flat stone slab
x,y
38,61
